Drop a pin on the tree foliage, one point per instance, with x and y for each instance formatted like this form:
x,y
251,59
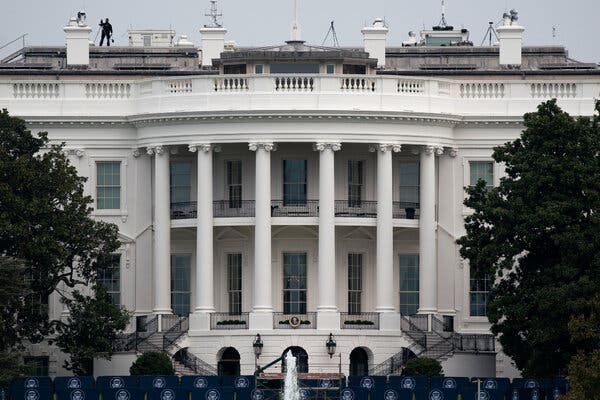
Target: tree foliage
x,y
539,233
44,222
423,366
152,363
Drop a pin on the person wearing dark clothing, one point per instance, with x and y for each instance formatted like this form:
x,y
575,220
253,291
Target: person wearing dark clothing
x,y
106,32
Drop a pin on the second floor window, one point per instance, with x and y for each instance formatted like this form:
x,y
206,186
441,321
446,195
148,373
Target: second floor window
x,y
355,183
108,185
354,283
483,170
294,182
294,283
234,286
109,276
180,284
409,184
181,181
234,183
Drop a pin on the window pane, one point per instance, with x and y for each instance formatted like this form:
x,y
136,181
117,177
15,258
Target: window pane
x,y
479,290
36,366
409,183
180,284
108,185
294,182
355,183
354,283
294,283
234,183
109,276
234,268
181,181
409,284
483,170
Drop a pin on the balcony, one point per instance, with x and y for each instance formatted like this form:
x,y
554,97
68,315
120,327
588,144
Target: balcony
x,y
404,210
359,320
228,321
185,210
356,209
233,208
295,321
306,208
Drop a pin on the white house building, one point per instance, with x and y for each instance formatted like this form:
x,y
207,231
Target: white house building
x,y
278,197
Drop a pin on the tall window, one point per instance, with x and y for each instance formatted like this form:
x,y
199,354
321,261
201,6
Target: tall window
x,y
409,284
181,181
294,283
355,183
109,276
483,170
180,284
355,262
409,184
478,295
294,182
234,287
108,185
234,183
36,366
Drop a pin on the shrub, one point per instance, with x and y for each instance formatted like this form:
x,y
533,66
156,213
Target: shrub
x,y
152,363
423,367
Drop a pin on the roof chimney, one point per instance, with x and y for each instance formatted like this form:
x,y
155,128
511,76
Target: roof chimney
x,y
212,43
510,36
77,34
374,38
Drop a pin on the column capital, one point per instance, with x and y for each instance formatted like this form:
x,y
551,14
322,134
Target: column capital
x,y
158,150
383,147
204,147
453,152
136,152
429,149
266,146
322,146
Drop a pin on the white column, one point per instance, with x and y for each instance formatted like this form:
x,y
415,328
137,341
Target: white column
x,y
204,230
162,230
427,228
327,316
262,310
385,230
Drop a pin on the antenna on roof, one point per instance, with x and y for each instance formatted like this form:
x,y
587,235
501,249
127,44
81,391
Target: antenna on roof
x,y
295,24
491,31
443,23
214,15
331,31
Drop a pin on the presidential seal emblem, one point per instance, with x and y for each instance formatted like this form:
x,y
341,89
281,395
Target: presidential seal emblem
x,y
74,383
32,394
257,394
390,394
159,382
490,384
483,395
200,383
117,383
77,394
122,394
167,394
241,382
449,383
408,383
367,382
436,394
31,383
326,383
530,384
304,394
535,394
212,394
347,394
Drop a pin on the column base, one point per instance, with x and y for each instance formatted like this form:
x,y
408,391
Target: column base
x,y
389,321
328,320
199,322
260,321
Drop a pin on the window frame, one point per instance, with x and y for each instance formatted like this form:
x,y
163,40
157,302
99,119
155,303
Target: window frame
x,y
92,182
359,278
171,186
417,186
38,370
181,292
116,266
235,295
234,202
486,280
99,187
352,199
409,292
296,201
300,290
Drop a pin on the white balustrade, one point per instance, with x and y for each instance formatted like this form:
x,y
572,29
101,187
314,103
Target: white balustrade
x,y
231,84
358,84
107,90
179,86
444,88
294,84
482,90
36,90
411,86
551,90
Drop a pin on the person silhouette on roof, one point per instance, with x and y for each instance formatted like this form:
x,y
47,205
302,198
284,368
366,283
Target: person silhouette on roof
x,y
106,32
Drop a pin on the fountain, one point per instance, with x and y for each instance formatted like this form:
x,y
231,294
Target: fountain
x,y
291,391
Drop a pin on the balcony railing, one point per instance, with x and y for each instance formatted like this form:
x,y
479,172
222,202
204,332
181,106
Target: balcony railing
x,y
403,210
474,343
233,208
228,321
185,210
295,321
359,321
306,208
357,209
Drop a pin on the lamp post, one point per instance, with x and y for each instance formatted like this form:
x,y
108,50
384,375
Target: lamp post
x,y
331,345
257,345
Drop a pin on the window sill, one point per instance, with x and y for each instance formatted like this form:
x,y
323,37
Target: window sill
x,y
123,214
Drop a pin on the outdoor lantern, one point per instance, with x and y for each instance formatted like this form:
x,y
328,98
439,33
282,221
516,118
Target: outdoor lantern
x,y
257,345
330,344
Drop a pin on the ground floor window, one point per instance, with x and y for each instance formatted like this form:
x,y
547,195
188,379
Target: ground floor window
x,y
36,366
409,284
234,286
294,283
359,362
301,359
355,262
480,284
230,362
180,284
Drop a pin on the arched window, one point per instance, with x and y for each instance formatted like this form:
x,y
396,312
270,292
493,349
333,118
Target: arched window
x,y
230,362
301,359
359,362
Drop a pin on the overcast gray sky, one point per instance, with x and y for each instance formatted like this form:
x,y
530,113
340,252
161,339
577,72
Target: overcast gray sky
x,y
265,22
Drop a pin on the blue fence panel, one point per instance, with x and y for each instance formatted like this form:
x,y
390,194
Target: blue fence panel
x,y
392,394
201,382
123,394
367,382
485,394
487,383
525,383
168,393
116,382
441,382
409,382
32,382
77,394
212,394
74,382
36,393
159,381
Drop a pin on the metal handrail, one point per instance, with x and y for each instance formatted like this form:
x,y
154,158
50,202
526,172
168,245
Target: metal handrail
x,y
233,208
405,210
359,320
229,321
302,208
356,208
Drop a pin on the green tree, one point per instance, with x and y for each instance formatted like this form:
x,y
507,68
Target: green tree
x,y
423,366
45,222
152,363
584,368
539,233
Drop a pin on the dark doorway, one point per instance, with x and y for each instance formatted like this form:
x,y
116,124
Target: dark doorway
x,y
301,359
359,362
230,362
